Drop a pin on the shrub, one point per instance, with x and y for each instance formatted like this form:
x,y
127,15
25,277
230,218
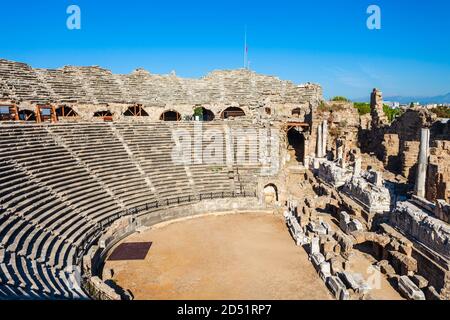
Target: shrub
x,y
340,99
363,107
391,113
441,111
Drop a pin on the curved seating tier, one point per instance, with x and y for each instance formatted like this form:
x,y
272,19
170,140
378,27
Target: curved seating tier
x,y
61,185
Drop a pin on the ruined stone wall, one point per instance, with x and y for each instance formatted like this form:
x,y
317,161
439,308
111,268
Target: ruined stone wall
x,y
343,123
90,87
438,175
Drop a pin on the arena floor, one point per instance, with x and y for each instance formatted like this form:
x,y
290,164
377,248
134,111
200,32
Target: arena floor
x,y
236,256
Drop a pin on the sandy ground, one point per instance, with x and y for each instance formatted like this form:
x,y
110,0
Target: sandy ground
x,y
240,256
381,288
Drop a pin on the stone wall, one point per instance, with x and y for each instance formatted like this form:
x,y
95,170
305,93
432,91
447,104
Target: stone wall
x,y
438,175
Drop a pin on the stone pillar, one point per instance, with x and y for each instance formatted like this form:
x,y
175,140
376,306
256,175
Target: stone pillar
x,y
378,179
319,142
324,138
340,153
376,109
357,167
422,165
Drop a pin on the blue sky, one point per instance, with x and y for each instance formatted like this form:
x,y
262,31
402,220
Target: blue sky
x,y
321,41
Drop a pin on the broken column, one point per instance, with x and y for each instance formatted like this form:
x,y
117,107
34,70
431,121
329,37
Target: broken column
x,y
424,153
357,167
319,142
340,153
324,138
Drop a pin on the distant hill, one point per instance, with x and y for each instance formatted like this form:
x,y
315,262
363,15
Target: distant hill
x,y
405,99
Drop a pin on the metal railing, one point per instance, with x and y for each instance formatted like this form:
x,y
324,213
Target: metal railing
x,y
96,232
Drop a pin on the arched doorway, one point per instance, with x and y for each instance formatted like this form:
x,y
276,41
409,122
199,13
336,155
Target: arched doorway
x,y
204,114
66,112
270,194
296,112
296,146
135,111
233,112
170,115
27,115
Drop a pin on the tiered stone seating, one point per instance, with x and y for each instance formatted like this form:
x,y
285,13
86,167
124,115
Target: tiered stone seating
x,y
97,85
66,87
152,146
23,82
61,184
99,149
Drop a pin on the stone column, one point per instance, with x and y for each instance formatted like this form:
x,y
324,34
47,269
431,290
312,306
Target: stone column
x,y
324,138
424,153
357,167
319,141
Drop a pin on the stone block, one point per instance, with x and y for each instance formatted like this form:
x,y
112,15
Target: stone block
x,y
338,288
419,281
324,270
409,289
314,246
354,281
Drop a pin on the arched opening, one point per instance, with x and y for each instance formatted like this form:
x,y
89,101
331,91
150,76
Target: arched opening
x,y
296,146
371,248
66,112
270,194
106,115
268,111
45,113
233,112
27,115
204,114
5,113
170,115
135,111
296,112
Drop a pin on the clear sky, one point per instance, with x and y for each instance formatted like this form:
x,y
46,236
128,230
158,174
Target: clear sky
x,y
323,41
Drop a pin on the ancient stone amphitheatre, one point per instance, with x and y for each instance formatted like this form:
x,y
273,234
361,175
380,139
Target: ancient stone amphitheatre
x,y
235,185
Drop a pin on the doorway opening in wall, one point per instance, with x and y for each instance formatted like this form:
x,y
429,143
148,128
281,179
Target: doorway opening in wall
x,y
296,147
105,115
135,111
66,112
203,114
4,113
27,115
170,115
270,194
296,113
233,112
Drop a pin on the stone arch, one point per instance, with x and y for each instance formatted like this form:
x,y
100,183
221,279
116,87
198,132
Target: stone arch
x,y
106,115
371,243
27,115
170,115
103,113
296,144
66,112
232,112
270,194
296,112
207,114
135,111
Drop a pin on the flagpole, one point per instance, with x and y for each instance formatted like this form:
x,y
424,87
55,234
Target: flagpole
x,y
245,48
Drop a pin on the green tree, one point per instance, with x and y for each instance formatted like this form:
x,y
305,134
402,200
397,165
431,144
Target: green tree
x,y
363,107
340,99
